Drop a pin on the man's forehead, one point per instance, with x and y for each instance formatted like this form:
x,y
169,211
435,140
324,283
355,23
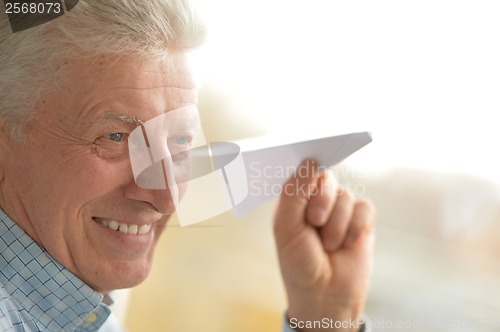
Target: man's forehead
x,y
140,73
130,89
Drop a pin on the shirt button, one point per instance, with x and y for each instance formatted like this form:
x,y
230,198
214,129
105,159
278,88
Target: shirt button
x,y
91,318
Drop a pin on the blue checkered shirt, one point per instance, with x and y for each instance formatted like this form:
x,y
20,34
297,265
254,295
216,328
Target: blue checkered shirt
x,y
39,294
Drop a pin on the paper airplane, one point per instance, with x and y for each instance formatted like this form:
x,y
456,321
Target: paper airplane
x,y
240,176
267,169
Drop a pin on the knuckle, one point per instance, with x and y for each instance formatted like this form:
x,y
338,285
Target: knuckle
x,y
366,206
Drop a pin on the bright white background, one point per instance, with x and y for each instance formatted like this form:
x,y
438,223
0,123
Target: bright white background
x,y
423,76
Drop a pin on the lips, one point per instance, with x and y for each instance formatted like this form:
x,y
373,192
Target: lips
x,y
131,229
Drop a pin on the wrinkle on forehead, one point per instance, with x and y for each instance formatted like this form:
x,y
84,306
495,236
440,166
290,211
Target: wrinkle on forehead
x,y
126,85
174,71
177,94
128,72
116,89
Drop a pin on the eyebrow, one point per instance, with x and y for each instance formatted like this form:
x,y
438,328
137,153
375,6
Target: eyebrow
x,y
125,118
140,121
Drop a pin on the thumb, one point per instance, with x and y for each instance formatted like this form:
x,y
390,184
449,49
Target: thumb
x,y
291,213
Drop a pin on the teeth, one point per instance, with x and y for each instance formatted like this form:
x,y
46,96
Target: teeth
x,y
124,228
144,229
132,229
113,225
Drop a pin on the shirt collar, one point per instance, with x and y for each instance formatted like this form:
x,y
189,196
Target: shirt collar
x,y
43,289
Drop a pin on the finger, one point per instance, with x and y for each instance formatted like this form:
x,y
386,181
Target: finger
x,y
294,198
334,231
363,220
322,201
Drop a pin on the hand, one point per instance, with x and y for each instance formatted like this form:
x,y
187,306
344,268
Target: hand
x,y
324,238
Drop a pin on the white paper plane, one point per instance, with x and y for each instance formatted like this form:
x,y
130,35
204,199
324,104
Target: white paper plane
x,y
242,175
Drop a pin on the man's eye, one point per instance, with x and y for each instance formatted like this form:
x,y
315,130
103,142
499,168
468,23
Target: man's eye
x,y
182,140
111,146
116,137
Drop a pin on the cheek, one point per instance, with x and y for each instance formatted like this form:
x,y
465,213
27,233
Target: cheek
x,y
71,195
81,178
96,177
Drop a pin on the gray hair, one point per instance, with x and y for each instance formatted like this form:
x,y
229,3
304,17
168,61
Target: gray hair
x,y
31,60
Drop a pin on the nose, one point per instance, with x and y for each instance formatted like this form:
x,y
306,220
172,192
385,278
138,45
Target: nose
x,y
163,201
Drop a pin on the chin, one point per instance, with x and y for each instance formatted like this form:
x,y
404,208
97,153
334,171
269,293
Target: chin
x,y
121,277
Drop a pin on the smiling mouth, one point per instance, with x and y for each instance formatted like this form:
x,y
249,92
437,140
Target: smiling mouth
x,y
124,228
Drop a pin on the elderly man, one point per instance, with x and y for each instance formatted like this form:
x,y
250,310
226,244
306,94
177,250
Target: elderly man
x,y
74,222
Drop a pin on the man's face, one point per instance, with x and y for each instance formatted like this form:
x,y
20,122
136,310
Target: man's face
x,y
70,184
